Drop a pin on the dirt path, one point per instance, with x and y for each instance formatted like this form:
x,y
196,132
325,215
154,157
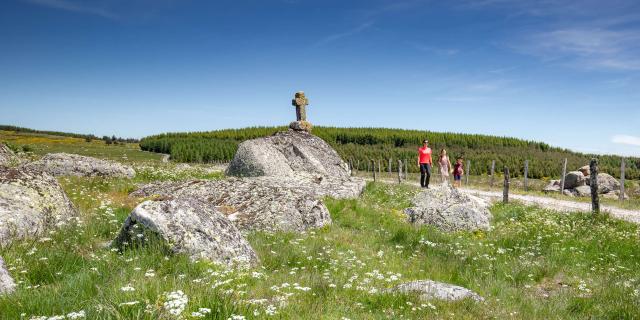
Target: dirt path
x,y
550,203
559,205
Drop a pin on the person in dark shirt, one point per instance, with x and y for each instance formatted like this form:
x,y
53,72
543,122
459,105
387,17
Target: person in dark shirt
x,y
458,171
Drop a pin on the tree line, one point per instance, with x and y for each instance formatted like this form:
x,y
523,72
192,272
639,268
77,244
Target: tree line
x,y
361,145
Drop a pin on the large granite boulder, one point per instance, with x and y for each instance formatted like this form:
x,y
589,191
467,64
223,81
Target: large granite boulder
x,y
64,164
583,191
449,209
586,170
428,290
189,226
252,204
31,202
7,285
607,183
7,157
574,179
286,153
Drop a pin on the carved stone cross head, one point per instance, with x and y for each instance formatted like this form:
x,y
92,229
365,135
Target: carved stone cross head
x,y
300,101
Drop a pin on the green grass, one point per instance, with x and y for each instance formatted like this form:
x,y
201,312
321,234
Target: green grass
x,y
40,144
533,264
587,266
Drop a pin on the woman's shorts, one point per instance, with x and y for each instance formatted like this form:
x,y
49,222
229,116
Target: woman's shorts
x,y
457,177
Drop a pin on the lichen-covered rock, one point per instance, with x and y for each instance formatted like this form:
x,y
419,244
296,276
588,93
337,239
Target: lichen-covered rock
x,y
252,204
189,226
7,157
287,153
607,183
31,202
574,179
64,164
428,290
301,126
7,285
449,209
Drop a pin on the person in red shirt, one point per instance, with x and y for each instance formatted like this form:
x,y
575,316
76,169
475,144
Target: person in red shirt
x,y
424,161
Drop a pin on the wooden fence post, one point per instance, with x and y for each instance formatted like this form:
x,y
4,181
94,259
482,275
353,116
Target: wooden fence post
x,y
526,175
505,191
390,168
358,164
467,169
406,169
595,201
622,167
493,171
399,171
373,166
564,173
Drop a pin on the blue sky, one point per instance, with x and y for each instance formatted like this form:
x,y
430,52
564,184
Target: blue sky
x,y
562,72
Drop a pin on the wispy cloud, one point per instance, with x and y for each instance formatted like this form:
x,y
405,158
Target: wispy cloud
x,y
585,34
76,6
626,139
587,48
337,36
434,50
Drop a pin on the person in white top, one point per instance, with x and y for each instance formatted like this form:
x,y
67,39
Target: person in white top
x,y
445,166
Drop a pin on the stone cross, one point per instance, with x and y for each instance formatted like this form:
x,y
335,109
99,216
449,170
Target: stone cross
x,y
300,102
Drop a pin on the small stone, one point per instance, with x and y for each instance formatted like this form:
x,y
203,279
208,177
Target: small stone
x,y
428,290
449,209
304,126
7,285
583,191
553,186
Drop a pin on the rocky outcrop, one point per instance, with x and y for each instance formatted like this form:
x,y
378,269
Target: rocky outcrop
x,y
577,184
31,202
7,157
255,204
449,209
191,227
428,290
285,154
7,285
574,179
64,164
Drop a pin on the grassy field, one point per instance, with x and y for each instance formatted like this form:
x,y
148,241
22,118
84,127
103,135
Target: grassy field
x,y
41,144
533,264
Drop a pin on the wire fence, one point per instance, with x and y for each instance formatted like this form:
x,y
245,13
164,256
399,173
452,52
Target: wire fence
x,y
402,171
